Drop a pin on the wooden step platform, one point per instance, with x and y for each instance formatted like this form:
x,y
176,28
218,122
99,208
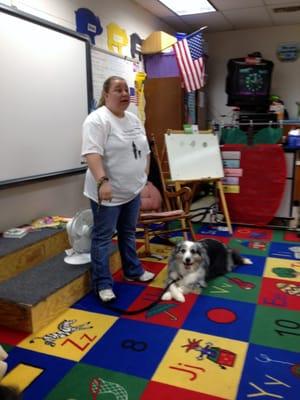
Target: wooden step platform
x,y
17,255
37,285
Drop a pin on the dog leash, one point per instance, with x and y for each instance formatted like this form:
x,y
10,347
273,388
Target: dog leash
x,y
140,310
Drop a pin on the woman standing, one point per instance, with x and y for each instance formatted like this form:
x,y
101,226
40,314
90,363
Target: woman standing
x,y
116,149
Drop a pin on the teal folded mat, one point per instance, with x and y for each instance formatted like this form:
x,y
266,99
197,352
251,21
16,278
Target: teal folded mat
x,y
233,136
268,135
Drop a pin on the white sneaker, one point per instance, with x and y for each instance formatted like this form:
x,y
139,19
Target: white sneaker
x,y
3,369
106,295
145,277
3,354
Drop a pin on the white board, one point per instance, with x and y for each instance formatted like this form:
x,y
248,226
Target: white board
x,y
194,156
44,98
105,64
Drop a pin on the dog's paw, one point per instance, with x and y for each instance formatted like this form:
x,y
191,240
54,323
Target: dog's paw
x,y
177,293
247,261
179,297
166,296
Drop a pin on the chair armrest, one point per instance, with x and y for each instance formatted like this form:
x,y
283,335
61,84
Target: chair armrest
x,y
184,195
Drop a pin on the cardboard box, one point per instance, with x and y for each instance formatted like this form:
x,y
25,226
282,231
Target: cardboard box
x,y
157,42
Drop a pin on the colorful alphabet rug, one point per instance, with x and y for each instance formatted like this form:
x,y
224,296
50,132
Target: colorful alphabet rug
x,y
239,339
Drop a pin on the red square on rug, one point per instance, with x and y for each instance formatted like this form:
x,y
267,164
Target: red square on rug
x,y
156,390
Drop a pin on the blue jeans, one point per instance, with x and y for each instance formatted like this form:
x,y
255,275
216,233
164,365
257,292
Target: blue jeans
x,y
107,220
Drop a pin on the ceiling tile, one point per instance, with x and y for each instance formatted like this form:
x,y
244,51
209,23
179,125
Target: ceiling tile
x,y
281,3
214,22
287,18
236,4
155,7
231,14
177,23
248,18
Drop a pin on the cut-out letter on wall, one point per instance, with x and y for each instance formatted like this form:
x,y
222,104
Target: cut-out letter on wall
x,y
88,23
116,38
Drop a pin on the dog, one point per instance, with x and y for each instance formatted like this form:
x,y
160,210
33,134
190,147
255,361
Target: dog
x,y
192,264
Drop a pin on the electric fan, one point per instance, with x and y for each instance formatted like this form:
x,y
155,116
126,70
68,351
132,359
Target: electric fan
x,y
79,233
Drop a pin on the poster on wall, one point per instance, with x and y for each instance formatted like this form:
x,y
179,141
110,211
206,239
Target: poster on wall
x,y
288,51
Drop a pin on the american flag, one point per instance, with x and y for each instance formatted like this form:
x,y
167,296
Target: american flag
x,y
133,95
189,55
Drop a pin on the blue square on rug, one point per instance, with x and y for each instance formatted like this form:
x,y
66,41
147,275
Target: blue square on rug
x,y
131,347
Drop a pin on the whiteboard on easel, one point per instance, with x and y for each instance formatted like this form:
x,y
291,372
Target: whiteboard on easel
x,y
194,156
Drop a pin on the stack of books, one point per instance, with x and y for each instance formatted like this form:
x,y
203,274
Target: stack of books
x,y
16,232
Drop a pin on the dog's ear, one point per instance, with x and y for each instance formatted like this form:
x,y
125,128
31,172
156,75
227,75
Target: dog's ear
x,y
175,251
178,247
200,248
202,251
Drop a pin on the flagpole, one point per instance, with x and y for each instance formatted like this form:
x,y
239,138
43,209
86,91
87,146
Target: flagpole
x,y
188,36
197,31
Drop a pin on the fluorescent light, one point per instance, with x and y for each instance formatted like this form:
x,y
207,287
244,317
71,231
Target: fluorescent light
x,y
188,7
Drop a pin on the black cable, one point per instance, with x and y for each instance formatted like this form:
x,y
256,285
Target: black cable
x,y
203,208
199,220
204,213
140,310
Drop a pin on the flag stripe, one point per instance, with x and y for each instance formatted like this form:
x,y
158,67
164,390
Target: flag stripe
x,y
202,69
193,68
186,66
189,52
197,67
190,64
178,51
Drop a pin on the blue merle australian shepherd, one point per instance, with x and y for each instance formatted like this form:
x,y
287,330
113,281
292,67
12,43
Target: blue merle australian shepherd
x,y
192,264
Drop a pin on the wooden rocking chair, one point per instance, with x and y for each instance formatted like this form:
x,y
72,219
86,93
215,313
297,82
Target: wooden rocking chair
x,y
153,223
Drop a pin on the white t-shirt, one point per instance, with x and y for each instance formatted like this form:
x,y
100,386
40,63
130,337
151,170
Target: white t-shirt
x,y
123,145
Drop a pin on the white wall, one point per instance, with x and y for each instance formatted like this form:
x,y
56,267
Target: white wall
x,y
235,44
126,14
63,196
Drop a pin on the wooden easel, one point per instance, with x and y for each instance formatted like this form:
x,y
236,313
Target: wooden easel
x,y
167,181
218,183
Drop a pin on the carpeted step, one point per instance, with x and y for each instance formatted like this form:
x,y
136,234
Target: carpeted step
x,y
34,297
17,255
36,284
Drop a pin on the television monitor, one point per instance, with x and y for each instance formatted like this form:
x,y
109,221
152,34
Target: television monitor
x,y
248,85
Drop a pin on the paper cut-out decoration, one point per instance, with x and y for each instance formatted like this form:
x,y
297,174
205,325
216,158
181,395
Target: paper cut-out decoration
x,y
136,46
88,23
116,38
139,91
139,80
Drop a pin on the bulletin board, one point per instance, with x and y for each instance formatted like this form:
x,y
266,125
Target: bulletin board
x,y
106,64
45,95
193,156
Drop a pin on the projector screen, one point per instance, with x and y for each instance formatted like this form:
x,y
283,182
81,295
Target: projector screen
x,y
45,95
